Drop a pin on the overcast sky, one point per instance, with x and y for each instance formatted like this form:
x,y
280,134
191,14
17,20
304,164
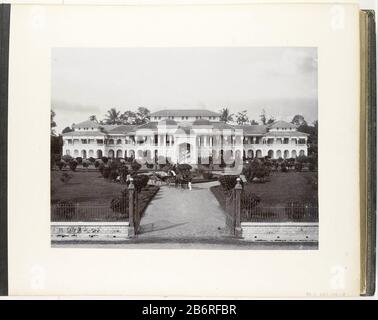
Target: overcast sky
x,y
283,81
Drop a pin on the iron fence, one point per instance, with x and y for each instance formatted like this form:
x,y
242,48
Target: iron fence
x,y
74,212
301,213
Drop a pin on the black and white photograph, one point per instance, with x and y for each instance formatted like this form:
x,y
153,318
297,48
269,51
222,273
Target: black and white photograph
x,y
185,147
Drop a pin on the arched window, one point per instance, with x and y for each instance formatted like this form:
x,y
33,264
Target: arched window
x,y
258,154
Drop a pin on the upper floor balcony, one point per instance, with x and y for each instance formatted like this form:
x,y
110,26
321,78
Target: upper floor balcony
x,y
274,145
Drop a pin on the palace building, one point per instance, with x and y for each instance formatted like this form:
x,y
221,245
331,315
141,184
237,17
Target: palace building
x,y
185,136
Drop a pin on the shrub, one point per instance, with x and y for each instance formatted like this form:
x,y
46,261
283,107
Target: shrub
x,y
97,163
113,174
73,165
105,159
135,166
85,164
91,160
298,166
67,158
149,165
184,167
312,167
79,160
228,182
106,172
256,169
101,167
284,168
139,182
261,173
60,164
129,159
302,159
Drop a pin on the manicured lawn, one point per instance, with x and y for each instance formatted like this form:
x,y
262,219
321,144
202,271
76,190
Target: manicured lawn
x,y
91,195
285,197
284,187
87,188
281,188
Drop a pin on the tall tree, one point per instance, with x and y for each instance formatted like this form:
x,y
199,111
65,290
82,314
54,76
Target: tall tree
x,y
265,120
298,120
263,117
142,116
128,117
254,122
56,142
112,117
52,122
93,118
270,120
242,118
226,115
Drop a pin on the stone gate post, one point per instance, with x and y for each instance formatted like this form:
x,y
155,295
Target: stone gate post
x,y
131,189
238,190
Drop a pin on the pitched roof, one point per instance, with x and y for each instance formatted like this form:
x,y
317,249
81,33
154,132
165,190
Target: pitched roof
x,y
222,125
84,133
282,125
123,128
108,127
86,124
148,125
285,134
201,122
185,113
168,122
253,129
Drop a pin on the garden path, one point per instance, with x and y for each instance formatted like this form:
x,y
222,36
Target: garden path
x,y
184,214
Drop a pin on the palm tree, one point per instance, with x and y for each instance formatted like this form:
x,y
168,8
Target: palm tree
x,y
242,118
112,117
226,116
93,118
